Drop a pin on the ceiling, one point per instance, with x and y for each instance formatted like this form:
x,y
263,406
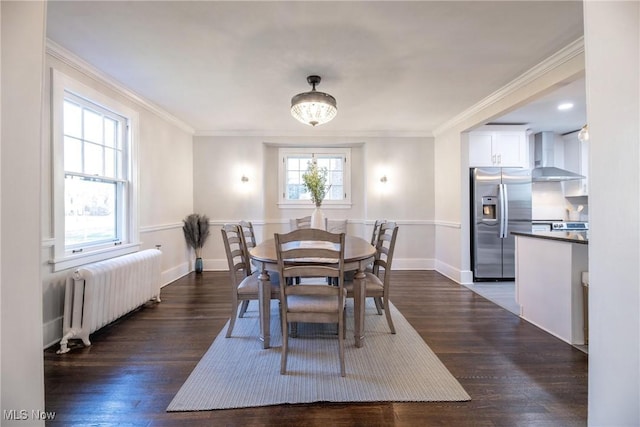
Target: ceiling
x,y
395,68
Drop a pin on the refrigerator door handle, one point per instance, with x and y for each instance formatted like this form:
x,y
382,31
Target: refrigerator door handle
x,y
504,212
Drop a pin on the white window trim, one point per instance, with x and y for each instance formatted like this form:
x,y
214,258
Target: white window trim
x,y
62,260
284,203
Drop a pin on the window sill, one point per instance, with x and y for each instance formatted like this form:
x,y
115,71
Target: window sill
x,y
307,205
77,260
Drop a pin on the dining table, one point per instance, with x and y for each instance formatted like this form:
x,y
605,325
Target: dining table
x,y
358,254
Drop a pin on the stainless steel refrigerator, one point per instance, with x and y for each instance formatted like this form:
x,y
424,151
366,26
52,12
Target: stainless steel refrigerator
x,y
501,204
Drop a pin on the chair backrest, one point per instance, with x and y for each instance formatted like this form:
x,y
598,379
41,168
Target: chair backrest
x,y
235,248
298,223
249,235
376,231
384,248
310,252
336,225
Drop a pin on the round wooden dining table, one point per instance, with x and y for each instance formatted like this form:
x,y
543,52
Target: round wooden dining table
x,y
358,253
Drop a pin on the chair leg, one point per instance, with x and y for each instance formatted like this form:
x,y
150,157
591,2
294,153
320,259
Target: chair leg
x,y
341,343
285,346
232,320
379,304
387,313
243,308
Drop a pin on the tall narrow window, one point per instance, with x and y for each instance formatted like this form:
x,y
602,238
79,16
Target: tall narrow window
x,y
94,209
95,184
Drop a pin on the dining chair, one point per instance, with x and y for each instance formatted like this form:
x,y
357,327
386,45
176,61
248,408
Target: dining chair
x,y
336,225
376,231
249,234
312,255
245,284
377,281
298,223
249,242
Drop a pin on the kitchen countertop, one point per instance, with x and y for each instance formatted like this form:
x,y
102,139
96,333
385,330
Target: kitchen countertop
x,y
581,237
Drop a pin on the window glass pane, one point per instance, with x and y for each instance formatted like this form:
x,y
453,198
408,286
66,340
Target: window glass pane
x,y
92,126
72,119
336,164
293,163
72,155
335,178
93,159
110,163
294,178
110,132
297,192
90,211
324,163
336,192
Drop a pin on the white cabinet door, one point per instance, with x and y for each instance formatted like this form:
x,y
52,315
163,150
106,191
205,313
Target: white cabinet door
x,y
480,151
498,149
510,148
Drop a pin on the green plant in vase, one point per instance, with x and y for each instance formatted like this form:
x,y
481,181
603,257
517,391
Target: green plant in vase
x,y
315,182
196,231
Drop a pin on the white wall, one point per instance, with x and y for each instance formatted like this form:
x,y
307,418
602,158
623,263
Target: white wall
x,y
612,39
22,41
407,197
165,185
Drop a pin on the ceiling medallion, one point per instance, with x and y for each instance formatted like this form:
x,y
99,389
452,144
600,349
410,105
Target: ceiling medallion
x,y
313,108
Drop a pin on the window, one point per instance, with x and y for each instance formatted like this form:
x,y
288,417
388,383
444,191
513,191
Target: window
x,y
293,165
94,213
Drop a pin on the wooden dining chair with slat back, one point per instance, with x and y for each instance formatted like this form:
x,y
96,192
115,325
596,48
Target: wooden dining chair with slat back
x,y
244,284
376,231
249,234
312,255
379,279
250,242
298,223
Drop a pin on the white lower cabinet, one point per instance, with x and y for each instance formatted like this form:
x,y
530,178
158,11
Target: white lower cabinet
x,y
549,285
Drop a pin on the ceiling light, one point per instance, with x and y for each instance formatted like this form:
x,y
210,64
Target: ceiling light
x,y
565,106
583,135
313,108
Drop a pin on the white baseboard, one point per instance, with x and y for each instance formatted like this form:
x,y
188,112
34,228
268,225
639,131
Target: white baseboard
x,y
413,264
175,273
398,264
451,272
52,332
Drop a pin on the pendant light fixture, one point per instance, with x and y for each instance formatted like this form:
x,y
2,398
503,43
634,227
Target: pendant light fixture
x,y
313,108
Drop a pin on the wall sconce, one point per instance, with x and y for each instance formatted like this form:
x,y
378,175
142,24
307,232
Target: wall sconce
x,y
383,179
244,179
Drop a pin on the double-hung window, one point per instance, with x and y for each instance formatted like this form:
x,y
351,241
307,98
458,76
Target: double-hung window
x,y
294,163
93,171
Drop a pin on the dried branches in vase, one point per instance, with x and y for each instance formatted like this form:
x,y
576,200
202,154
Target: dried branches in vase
x,y
196,232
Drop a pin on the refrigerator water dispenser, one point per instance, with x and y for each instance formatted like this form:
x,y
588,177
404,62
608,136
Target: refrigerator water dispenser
x,y
489,207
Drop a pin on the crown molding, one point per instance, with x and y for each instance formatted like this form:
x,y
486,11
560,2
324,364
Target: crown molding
x,y
556,60
316,134
72,60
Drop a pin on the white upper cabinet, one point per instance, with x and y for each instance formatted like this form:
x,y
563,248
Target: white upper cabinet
x,y
498,146
576,159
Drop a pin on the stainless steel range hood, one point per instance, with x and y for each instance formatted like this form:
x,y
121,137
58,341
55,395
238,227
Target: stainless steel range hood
x,y
544,167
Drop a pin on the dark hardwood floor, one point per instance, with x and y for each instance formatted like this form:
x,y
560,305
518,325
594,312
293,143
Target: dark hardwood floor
x,y
516,374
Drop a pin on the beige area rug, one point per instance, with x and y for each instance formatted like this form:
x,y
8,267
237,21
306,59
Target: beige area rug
x,y
237,372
